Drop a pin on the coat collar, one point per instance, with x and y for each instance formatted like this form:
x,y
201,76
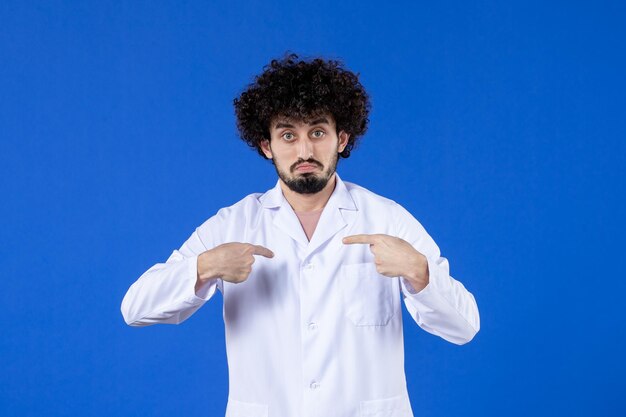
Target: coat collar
x,y
340,196
337,214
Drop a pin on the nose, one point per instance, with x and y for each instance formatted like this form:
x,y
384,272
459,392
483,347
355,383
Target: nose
x,y
305,149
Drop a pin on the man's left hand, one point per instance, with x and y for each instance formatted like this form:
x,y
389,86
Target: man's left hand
x,y
395,257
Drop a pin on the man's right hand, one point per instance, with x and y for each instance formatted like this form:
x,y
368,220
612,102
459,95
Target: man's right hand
x,y
231,262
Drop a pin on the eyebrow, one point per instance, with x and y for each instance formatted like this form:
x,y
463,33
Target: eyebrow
x,y
314,122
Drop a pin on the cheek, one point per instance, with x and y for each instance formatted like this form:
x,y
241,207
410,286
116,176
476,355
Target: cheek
x,y
282,157
328,151
276,149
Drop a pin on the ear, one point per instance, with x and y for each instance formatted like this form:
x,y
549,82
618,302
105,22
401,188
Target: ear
x,y
265,147
343,141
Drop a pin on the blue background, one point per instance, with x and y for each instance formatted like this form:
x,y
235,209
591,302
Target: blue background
x,y
499,125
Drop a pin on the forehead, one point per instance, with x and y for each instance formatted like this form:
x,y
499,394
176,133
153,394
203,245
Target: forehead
x,y
280,121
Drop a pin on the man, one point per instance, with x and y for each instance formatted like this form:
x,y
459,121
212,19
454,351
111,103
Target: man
x,y
312,272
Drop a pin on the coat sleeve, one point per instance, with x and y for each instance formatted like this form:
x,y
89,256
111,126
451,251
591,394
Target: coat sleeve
x,y
165,293
444,307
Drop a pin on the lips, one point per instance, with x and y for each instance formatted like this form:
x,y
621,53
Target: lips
x,y
306,167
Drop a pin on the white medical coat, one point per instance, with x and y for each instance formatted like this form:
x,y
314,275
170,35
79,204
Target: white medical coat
x,y
314,331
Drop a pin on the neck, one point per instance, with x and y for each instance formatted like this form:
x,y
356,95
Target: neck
x,y
308,202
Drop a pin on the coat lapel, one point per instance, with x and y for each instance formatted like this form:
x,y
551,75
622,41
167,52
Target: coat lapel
x,y
337,214
284,217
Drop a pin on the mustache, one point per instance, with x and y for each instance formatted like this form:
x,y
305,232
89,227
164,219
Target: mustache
x,y
308,161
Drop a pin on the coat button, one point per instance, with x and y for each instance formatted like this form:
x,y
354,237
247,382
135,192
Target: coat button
x,y
314,385
312,326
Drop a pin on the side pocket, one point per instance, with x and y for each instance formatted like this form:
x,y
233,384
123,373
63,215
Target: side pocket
x,y
368,296
236,408
388,407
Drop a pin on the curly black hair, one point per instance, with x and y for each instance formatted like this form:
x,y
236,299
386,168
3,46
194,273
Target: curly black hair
x,y
301,90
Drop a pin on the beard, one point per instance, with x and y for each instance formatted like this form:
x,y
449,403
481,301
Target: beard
x,y
308,182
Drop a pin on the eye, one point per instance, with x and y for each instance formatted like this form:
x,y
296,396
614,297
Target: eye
x,y
318,134
288,136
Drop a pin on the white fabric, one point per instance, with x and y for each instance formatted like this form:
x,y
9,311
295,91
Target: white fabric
x,y
314,331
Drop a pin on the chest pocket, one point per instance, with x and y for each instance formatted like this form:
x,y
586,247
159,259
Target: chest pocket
x,y
368,296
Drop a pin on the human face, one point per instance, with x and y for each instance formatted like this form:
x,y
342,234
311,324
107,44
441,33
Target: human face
x,y
305,154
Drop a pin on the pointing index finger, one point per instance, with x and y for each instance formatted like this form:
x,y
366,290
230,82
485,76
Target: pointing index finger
x,y
363,238
263,251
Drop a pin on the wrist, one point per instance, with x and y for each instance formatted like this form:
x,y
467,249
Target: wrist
x,y
418,274
205,268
